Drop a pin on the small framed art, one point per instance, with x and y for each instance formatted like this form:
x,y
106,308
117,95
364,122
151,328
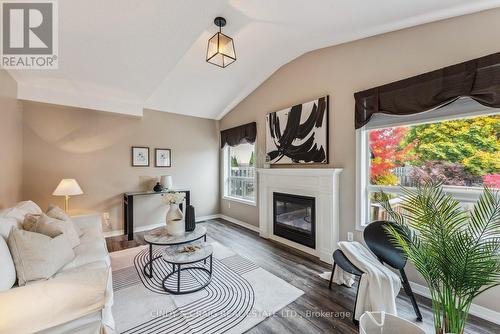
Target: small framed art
x,y
140,156
163,157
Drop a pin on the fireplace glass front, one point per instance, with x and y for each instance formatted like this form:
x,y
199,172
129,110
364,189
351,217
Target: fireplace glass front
x,y
294,218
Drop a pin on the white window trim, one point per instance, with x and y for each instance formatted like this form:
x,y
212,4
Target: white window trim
x,y
225,172
239,200
362,168
363,186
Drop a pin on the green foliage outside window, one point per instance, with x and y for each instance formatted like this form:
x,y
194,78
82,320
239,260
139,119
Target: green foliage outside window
x,y
234,161
251,163
463,152
473,143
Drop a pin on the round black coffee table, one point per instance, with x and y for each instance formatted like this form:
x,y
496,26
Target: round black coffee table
x,y
160,237
177,257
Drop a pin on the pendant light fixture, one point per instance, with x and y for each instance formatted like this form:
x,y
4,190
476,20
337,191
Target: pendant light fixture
x,y
220,49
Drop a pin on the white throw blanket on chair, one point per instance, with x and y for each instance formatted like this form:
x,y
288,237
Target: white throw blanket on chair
x,y
378,287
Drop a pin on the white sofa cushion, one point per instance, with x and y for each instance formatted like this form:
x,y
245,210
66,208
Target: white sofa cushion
x,y
58,213
6,224
37,256
89,221
8,271
89,252
51,227
64,298
91,234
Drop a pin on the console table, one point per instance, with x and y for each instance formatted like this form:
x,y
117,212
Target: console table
x,y
128,207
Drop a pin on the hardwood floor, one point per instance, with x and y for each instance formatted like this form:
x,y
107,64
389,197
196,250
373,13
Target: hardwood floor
x,y
319,310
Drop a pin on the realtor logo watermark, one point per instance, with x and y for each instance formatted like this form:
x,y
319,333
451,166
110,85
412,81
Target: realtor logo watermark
x,y
29,35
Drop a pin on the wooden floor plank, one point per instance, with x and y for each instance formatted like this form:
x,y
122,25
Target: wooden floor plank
x,y
301,270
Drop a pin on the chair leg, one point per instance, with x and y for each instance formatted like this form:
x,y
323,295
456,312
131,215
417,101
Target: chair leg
x,y
409,292
331,276
356,322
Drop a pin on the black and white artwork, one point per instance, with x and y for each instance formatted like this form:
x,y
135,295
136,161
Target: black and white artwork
x,y
140,156
163,157
298,134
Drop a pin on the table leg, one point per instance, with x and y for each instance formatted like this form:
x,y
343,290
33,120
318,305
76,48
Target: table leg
x,y
178,278
129,217
150,260
205,239
210,265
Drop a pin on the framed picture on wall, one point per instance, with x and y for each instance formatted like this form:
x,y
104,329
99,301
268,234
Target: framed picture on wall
x,y
163,157
299,134
140,156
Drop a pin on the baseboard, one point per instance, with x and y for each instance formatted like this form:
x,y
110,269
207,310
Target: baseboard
x,y
205,218
115,233
476,310
240,223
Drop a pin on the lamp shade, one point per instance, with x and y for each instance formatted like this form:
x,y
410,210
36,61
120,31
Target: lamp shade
x,y
68,187
220,50
166,181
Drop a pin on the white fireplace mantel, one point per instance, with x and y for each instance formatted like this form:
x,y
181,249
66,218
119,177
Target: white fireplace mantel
x,y
320,183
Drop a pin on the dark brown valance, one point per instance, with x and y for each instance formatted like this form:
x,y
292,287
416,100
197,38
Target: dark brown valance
x,y
245,133
478,79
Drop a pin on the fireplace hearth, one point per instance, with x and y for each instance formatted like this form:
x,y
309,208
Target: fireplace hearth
x,y
294,218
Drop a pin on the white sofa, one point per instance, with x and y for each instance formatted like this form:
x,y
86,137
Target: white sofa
x,y
77,299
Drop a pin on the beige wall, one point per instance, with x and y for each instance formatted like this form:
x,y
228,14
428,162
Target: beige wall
x,y
11,142
94,148
342,70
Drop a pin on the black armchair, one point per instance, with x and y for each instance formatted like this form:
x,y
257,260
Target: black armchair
x,y
378,241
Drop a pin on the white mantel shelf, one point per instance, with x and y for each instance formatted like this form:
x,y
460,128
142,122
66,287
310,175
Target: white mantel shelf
x,y
320,183
299,171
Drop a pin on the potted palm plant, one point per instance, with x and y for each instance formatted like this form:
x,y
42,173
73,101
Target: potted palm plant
x,y
457,251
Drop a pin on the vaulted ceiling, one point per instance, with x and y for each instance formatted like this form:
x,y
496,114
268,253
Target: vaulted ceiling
x,y
126,55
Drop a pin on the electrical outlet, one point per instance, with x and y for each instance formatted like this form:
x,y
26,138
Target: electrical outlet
x,y
228,205
350,236
106,219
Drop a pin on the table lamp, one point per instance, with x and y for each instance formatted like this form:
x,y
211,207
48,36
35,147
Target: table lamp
x,y
166,182
67,188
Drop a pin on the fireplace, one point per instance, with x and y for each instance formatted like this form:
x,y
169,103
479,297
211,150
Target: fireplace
x,y
294,218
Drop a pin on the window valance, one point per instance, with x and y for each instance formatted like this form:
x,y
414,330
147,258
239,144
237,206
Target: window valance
x,y
478,79
245,133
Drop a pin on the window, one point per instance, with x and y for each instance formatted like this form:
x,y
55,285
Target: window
x,y
240,181
458,145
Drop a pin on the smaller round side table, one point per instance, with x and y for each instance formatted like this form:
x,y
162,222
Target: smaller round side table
x,y
160,237
177,258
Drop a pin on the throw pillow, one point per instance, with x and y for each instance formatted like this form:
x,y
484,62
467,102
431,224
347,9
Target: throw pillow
x,y
37,256
30,221
46,226
58,213
8,272
29,207
22,209
51,227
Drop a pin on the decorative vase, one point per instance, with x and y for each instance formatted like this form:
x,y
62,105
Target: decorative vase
x,y
190,218
158,188
175,220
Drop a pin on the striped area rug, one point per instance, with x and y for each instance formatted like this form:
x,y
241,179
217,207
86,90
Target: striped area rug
x,y
239,296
